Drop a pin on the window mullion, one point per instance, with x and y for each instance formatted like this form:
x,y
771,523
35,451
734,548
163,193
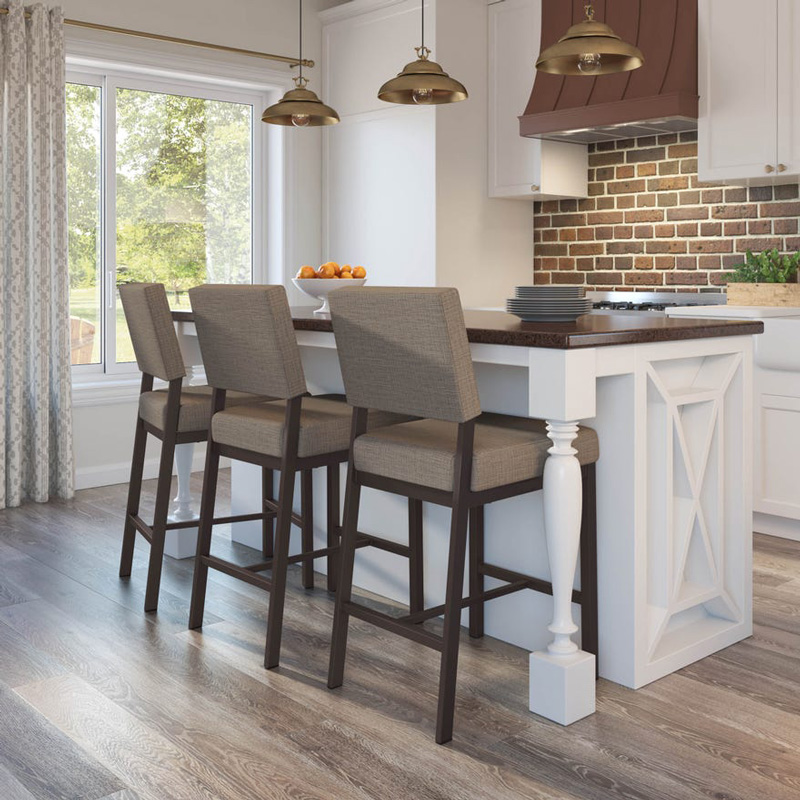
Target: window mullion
x,y
110,224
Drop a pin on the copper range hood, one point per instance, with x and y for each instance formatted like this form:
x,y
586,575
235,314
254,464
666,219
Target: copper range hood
x,y
660,97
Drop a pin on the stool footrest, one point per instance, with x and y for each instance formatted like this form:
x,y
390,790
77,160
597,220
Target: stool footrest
x,y
193,523
394,624
236,571
300,557
368,540
536,584
141,526
492,594
272,505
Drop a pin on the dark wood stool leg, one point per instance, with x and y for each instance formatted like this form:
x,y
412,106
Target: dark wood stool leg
x,y
476,579
268,525
134,496
344,592
307,530
272,652
589,623
416,577
347,556
207,502
334,523
163,492
448,670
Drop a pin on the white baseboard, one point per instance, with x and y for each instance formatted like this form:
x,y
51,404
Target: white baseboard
x,y
111,474
783,527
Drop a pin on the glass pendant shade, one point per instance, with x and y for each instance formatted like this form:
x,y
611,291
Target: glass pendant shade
x,y
422,82
589,48
300,108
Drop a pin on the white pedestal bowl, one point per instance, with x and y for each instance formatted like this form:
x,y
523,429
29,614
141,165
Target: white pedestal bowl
x,y
320,288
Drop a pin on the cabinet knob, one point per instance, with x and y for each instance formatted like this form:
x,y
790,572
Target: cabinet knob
x,y
535,187
781,167
769,168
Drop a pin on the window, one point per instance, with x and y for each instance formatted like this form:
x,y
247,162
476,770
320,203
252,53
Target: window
x,y
163,185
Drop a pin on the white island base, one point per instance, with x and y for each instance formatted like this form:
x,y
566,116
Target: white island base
x,y
673,508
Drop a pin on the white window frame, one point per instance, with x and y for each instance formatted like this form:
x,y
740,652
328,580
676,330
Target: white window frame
x,y
113,66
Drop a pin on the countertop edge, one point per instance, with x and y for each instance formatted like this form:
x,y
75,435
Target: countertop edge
x,y
568,340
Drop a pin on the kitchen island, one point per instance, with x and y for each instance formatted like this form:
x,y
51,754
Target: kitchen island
x,y
671,402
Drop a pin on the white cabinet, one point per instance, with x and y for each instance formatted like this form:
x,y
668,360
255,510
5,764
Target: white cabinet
x,y
749,84
776,414
528,169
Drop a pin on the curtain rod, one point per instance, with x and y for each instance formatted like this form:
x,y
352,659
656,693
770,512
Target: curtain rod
x,y
175,40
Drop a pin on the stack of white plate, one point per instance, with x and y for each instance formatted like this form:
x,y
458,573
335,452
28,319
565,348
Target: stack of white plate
x,y
549,303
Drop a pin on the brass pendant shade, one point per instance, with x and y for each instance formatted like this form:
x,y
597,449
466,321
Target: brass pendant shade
x,y
589,48
422,82
300,107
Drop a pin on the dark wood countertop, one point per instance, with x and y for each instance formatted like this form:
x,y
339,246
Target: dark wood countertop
x,y
591,330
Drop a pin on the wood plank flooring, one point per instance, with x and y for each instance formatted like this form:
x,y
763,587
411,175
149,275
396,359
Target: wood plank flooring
x,y
99,701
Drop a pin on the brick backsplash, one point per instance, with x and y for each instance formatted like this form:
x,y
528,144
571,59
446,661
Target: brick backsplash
x,y
650,224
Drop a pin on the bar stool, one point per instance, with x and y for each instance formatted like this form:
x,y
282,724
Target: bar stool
x,y
249,345
176,415
406,351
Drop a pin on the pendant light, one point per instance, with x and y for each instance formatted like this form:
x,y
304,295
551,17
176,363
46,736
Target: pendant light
x,y
589,48
422,82
300,107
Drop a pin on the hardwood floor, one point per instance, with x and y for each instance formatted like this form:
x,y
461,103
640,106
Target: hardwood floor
x,y
100,701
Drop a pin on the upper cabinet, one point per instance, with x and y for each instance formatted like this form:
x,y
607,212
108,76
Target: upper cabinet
x,y
749,79
526,169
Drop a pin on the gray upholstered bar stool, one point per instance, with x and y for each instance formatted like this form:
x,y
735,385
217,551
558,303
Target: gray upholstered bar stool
x,y
406,351
176,415
248,344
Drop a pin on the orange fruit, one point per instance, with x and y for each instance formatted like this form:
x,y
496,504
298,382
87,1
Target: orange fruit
x,y
346,268
359,272
306,273
326,271
347,275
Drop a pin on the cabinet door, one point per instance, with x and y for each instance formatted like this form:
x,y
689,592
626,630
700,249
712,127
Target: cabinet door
x,y
522,168
788,59
777,455
515,29
738,77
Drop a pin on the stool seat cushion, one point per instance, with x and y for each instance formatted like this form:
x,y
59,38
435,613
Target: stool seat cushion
x,y
324,426
195,413
506,450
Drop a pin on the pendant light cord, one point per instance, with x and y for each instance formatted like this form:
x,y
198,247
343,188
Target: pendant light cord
x,y
422,7
301,40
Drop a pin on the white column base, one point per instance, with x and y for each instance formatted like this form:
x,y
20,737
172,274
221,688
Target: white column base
x,y
181,543
562,687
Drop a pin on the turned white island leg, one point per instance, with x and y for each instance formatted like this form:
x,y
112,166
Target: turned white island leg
x,y
182,542
562,679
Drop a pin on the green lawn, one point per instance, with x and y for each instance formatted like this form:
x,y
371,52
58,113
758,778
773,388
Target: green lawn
x,y
83,303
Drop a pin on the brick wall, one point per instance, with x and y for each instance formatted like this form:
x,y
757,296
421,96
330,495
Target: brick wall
x,y
649,224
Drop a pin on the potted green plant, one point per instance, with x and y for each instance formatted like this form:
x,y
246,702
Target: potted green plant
x,y
766,279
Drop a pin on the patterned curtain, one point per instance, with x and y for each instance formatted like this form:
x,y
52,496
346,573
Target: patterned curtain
x,y
36,460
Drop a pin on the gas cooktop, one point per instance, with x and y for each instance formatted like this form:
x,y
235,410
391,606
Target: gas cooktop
x,y
651,301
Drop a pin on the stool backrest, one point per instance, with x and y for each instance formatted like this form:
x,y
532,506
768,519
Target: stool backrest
x,y
405,350
247,339
153,336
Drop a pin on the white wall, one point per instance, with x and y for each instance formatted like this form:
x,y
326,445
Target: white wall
x,y
104,431
484,246
418,207
379,176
